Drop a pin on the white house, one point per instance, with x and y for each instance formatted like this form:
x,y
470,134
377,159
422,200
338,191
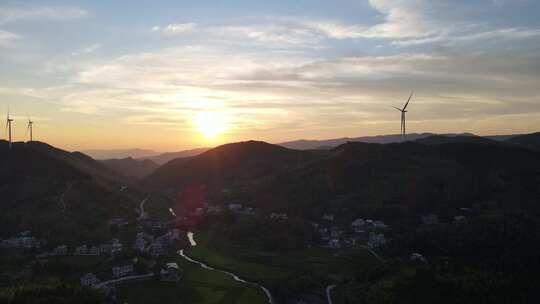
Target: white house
x,y
376,240
278,216
334,243
89,279
116,246
122,271
60,250
328,217
171,273
81,250
358,223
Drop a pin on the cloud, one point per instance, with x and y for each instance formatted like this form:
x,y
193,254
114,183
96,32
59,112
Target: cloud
x,y
14,14
7,38
176,28
87,50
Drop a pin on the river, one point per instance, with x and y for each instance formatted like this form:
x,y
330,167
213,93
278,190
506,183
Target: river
x,y
191,238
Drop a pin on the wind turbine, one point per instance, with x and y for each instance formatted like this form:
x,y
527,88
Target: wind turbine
x,y
30,129
9,120
403,111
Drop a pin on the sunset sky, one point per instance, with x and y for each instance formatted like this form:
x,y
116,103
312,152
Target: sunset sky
x,y
172,75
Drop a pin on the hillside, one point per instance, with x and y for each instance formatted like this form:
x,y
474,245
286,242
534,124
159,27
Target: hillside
x,y
226,165
164,158
58,195
379,139
130,167
530,141
102,154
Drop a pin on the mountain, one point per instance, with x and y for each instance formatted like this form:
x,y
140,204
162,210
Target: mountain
x,y
531,141
167,157
77,160
441,139
379,180
226,165
120,153
131,167
58,195
379,139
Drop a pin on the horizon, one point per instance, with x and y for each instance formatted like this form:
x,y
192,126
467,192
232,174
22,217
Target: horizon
x,y
173,76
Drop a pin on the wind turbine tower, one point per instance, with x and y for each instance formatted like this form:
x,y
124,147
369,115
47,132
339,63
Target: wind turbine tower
x,y
9,120
30,129
403,111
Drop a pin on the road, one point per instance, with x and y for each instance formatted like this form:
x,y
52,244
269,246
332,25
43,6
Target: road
x,y
329,293
141,208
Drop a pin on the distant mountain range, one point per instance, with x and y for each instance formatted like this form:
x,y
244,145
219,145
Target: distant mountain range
x,y
303,144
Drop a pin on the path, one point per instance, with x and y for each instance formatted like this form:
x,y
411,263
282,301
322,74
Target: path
x,y
128,278
329,293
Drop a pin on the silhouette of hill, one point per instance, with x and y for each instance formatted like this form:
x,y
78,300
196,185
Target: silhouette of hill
x,y
58,195
167,157
131,167
379,139
441,139
103,154
531,141
377,179
78,160
225,165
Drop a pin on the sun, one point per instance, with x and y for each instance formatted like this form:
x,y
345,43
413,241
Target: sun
x,y
211,124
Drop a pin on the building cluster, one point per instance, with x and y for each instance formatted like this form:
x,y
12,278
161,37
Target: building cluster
x,y
361,231
112,248
23,240
156,246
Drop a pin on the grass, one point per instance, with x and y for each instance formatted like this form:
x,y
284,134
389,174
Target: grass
x,y
325,266
197,286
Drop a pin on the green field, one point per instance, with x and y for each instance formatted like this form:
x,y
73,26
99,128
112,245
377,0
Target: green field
x,y
197,286
303,272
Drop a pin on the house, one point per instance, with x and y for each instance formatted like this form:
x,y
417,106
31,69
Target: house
x,y
459,218
89,280
278,216
122,271
235,207
376,240
334,243
81,250
430,219
417,257
93,250
379,225
328,217
335,232
358,223
171,273
157,249
60,250
116,246
104,249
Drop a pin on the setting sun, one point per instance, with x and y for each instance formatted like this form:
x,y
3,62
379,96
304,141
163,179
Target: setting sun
x,y
211,124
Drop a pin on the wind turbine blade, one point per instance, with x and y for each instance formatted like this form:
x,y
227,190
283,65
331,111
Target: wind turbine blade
x,y
397,109
406,104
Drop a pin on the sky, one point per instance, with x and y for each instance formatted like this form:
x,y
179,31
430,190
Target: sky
x,y
172,75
